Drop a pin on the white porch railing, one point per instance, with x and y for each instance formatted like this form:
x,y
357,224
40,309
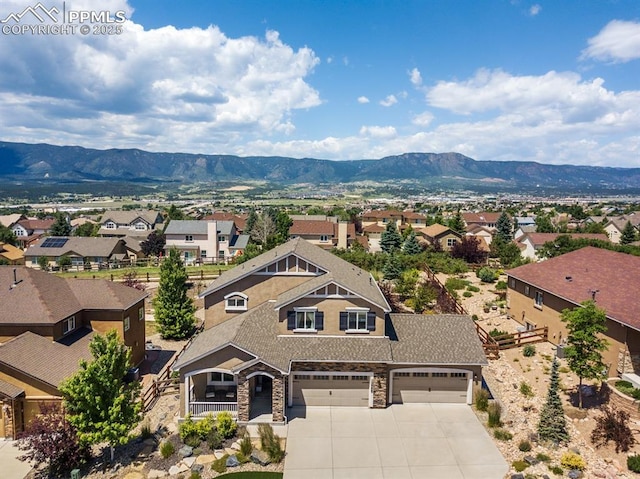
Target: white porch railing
x,y
203,408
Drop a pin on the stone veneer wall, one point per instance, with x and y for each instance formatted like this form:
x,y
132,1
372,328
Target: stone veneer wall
x,y
380,374
244,394
628,362
622,401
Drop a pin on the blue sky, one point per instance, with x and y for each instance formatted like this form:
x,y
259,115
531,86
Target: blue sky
x,y
548,81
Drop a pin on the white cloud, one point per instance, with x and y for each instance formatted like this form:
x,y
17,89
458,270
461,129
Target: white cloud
x,y
164,88
534,10
618,41
363,100
423,119
389,100
380,132
415,77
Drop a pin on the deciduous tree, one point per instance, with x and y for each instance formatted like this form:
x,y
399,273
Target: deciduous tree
x,y
173,308
584,345
154,244
98,402
7,235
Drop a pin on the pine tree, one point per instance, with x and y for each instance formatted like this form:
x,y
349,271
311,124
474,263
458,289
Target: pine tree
x,y
99,404
392,268
457,223
411,245
553,424
173,308
628,234
60,227
504,228
390,240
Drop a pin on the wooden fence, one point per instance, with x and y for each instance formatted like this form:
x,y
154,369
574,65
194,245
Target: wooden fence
x,y
163,382
446,301
492,345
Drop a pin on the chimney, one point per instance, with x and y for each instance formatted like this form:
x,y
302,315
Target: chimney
x,y
342,234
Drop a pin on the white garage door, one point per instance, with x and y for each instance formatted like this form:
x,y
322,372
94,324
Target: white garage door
x,y
337,389
425,387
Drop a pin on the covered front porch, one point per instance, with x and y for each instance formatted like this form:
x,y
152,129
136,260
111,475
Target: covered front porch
x,y
211,392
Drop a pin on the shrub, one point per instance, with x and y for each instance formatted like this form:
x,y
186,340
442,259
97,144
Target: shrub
x,y
467,294
613,425
633,463
524,446
482,399
625,387
495,332
526,390
194,475
557,470
220,465
270,443
474,317
225,424
190,430
495,412
529,350
473,289
246,447
192,439
487,275
166,449
501,285
453,284
242,459
502,434
214,439
571,460
520,466
542,457
145,430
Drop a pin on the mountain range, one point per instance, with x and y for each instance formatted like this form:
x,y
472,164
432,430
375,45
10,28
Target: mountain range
x,y
23,162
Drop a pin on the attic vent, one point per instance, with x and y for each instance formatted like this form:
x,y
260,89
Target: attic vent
x,y
568,278
15,279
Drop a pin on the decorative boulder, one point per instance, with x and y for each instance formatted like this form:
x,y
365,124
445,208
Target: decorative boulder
x,y
260,457
232,461
185,451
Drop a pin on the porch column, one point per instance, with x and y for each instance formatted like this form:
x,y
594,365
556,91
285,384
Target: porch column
x,y
277,398
244,410
187,395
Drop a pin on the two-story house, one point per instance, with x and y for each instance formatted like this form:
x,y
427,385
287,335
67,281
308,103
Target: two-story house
x,y
298,326
324,233
205,241
129,223
46,324
538,293
531,243
484,218
443,235
30,230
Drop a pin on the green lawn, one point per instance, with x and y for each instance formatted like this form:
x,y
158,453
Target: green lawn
x,y
153,272
253,475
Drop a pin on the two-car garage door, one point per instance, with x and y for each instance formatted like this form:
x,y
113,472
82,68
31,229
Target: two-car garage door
x,y
333,389
429,387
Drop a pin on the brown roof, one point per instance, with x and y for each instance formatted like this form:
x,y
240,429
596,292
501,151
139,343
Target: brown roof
x,y
413,215
43,298
311,227
374,228
37,224
9,390
379,214
539,239
435,230
10,252
575,275
483,217
45,360
239,220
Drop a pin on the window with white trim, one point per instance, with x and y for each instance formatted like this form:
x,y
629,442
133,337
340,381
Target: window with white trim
x,y
324,238
188,238
306,319
526,290
110,225
140,313
140,226
539,299
220,378
357,320
68,325
127,323
222,238
451,242
203,253
236,302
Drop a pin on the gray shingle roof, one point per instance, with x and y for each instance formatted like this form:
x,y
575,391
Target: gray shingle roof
x,y
434,339
76,246
358,280
197,227
416,339
128,217
45,360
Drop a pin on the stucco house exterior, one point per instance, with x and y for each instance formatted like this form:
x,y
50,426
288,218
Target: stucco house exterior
x,y
115,223
28,231
46,324
538,292
298,326
441,234
205,241
324,233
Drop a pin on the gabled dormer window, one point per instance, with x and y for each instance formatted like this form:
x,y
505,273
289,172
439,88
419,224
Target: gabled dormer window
x,y
236,302
110,225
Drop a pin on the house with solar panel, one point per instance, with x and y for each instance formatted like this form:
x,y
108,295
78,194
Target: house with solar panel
x,y
84,252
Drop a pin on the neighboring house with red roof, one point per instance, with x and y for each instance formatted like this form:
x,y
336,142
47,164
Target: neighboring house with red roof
x,y
402,219
530,243
485,218
326,234
538,292
46,324
239,220
30,230
484,234
298,326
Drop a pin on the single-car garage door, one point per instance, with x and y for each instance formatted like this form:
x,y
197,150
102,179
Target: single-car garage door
x,y
425,387
336,389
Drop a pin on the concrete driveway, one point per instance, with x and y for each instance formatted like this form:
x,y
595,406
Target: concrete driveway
x,y
403,441
10,466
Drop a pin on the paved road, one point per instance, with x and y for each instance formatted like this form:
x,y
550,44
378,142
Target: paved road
x,y
404,441
10,466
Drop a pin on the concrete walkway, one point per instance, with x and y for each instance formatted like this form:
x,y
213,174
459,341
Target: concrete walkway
x,y
10,466
403,441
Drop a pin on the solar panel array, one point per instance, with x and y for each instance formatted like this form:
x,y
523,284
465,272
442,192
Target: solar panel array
x,y
54,242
